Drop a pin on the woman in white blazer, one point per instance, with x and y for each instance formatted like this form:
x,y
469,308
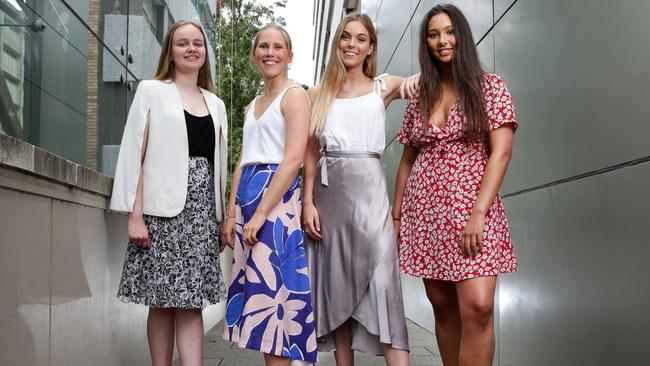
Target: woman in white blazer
x,y
170,178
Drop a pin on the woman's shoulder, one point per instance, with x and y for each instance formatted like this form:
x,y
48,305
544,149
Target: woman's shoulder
x,y
212,97
152,86
296,91
151,83
313,91
492,81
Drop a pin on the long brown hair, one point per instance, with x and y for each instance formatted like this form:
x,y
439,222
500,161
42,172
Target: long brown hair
x,y
335,73
166,66
467,73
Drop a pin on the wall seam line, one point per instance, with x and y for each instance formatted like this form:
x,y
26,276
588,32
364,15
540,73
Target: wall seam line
x,y
402,36
585,175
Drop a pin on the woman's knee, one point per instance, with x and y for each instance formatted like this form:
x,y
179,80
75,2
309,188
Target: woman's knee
x,y
479,312
443,299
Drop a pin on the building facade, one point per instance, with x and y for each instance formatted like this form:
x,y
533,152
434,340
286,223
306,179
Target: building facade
x,y
577,186
72,68
68,73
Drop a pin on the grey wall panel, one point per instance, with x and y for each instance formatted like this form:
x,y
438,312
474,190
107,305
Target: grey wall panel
x,y
416,305
370,7
581,93
500,6
478,14
486,52
24,278
78,271
418,8
390,23
400,66
582,294
401,52
391,157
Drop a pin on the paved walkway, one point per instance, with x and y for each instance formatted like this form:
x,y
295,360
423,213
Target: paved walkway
x,y
424,351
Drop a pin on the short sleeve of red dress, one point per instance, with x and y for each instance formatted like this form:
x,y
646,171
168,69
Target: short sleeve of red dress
x,y
407,133
499,108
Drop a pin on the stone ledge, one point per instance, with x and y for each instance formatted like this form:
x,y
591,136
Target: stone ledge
x,y
26,157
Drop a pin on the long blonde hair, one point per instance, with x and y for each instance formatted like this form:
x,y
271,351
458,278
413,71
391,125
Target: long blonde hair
x,y
335,73
285,35
166,66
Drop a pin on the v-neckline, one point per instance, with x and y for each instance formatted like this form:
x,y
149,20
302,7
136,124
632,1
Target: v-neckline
x,y
436,128
267,108
180,99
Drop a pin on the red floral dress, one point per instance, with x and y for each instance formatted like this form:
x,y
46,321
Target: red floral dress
x,y
442,188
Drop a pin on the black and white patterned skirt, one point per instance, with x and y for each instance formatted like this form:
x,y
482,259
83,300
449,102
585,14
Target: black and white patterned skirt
x,y
181,269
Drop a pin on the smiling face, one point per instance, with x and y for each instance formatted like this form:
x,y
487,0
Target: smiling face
x,y
355,44
441,38
188,48
271,52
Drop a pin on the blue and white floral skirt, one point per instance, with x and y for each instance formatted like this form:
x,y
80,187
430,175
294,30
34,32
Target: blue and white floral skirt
x,y
181,269
269,299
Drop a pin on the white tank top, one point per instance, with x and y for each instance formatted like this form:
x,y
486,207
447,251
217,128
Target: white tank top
x,y
357,124
263,140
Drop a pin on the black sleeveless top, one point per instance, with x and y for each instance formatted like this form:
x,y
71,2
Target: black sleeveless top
x,y
200,135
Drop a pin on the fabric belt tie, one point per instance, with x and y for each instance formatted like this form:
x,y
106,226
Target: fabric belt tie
x,y
341,154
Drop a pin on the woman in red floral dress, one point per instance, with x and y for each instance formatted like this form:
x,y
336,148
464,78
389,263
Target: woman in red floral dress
x,y
458,135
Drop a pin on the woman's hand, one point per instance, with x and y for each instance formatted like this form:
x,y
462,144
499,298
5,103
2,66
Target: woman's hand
x,y
410,86
227,234
249,232
311,221
472,239
137,231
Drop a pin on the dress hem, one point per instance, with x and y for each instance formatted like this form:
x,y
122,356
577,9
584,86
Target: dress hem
x,y
460,278
268,353
143,301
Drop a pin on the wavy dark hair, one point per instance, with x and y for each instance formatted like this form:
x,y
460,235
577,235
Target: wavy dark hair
x,y
467,73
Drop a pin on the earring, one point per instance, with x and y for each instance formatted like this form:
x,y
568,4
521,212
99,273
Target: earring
x,y
289,66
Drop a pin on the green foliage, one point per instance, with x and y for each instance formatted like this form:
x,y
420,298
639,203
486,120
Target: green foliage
x,y
238,80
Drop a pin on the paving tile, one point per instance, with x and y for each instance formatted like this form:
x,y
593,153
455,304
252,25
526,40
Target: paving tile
x,y
218,352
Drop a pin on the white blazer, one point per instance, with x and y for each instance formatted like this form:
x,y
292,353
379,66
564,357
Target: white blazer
x,y
165,167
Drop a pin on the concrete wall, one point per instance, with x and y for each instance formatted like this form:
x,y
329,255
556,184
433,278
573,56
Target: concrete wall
x,y
60,265
577,187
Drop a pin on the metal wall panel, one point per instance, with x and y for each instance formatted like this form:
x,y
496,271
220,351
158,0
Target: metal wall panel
x,y
579,79
390,23
500,6
478,14
581,296
24,278
370,7
486,52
